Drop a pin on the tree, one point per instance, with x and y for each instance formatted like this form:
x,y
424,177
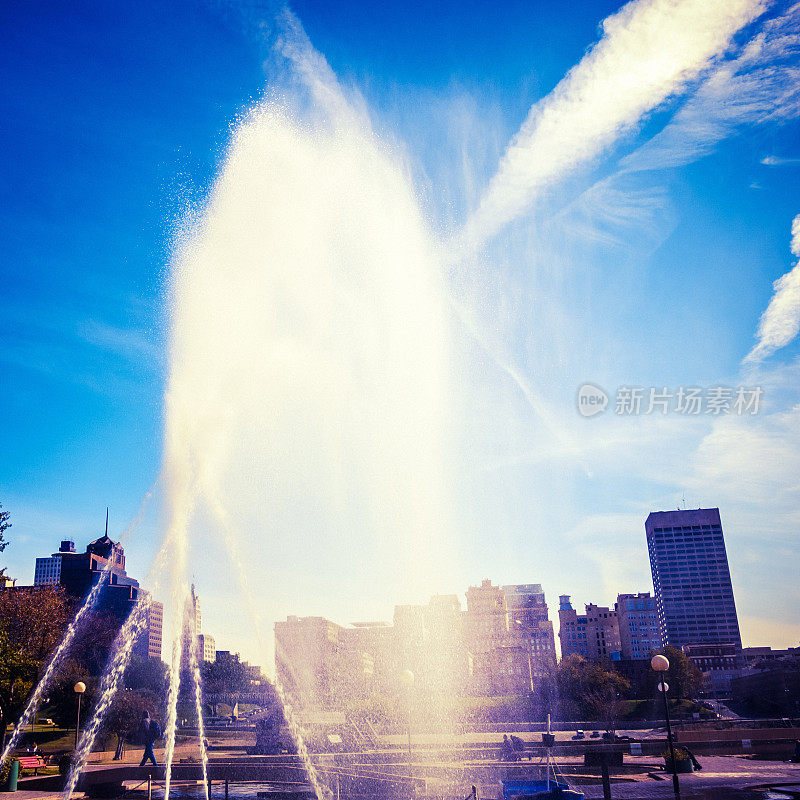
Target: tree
x,y
683,678
94,640
147,675
17,676
4,526
589,690
125,716
606,705
32,623
63,700
35,618
225,677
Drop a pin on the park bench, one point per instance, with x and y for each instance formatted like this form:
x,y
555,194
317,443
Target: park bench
x,y
31,762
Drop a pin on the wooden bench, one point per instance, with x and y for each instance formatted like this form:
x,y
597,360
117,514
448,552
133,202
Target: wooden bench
x,y
31,762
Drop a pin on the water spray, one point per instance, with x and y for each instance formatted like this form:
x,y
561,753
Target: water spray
x,y
194,666
123,647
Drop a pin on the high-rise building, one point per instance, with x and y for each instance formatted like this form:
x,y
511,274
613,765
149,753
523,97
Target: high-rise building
x,y
602,633
486,620
693,591
193,628
509,637
80,571
148,645
77,573
446,664
638,626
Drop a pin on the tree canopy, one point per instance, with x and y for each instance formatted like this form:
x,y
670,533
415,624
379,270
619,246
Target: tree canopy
x,y
590,690
225,677
32,623
684,678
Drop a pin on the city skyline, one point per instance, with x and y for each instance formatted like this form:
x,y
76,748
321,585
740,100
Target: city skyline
x,y
46,572
653,249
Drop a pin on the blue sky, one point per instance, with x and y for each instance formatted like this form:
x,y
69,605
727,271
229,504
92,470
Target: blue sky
x,y
643,254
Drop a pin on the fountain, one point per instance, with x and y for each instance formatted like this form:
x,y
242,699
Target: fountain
x,y
308,387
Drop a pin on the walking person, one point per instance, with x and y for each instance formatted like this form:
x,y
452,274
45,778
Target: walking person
x,y
151,731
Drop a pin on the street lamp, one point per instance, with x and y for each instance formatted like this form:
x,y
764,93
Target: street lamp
x,y
79,688
407,679
660,664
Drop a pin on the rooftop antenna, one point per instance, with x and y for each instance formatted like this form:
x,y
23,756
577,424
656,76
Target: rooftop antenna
x,y
106,520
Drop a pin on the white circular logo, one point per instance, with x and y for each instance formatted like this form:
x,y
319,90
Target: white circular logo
x,y
591,400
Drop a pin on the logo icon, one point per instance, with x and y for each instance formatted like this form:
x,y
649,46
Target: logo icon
x,y
592,400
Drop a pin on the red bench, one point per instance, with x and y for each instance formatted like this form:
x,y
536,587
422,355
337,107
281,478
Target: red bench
x,y
31,762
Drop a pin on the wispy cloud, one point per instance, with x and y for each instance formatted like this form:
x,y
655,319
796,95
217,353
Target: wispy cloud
x,y
780,323
779,161
761,84
133,344
649,51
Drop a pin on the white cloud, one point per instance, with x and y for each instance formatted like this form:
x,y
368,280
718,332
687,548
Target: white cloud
x,y
779,161
781,321
630,208
761,84
795,245
649,51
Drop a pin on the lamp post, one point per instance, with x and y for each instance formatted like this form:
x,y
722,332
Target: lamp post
x,y
79,688
407,679
660,664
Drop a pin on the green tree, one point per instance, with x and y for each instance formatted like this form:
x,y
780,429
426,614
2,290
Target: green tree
x,y
17,675
589,690
606,705
225,677
684,678
94,640
35,618
63,700
125,716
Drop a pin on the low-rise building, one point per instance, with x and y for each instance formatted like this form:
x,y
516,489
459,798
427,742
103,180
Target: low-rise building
x,y
206,647
593,635
571,629
719,663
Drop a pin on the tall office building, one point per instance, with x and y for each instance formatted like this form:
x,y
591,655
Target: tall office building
x,y
694,595
77,573
193,629
308,659
206,648
148,645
